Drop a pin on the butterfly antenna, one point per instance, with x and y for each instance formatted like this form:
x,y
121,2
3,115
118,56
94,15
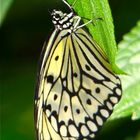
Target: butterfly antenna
x,y
67,4
74,3
70,6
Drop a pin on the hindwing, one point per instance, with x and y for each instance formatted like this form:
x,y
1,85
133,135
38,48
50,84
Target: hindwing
x,y
76,90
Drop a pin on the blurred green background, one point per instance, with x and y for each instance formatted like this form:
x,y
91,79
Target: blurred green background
x,y
26,26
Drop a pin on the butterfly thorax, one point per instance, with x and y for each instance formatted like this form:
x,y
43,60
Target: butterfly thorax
x,y
63,21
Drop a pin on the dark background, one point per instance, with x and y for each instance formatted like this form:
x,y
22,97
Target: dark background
x,y
23,32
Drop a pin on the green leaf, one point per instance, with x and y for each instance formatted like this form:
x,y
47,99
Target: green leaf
x,y
103,31
129,60
4,6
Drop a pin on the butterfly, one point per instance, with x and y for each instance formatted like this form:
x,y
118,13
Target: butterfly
x,y
76,88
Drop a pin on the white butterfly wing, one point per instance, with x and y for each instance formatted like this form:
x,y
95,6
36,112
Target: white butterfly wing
x,y
77,88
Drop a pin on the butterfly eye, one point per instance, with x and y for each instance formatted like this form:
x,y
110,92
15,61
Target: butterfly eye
x,y
57,16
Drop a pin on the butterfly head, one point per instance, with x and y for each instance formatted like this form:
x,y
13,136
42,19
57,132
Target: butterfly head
x,y
62,20
57,15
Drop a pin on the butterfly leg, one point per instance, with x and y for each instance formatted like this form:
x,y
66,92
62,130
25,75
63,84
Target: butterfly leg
x,y
78,21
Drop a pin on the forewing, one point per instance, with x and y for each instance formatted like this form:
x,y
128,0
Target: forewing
x,y
49,88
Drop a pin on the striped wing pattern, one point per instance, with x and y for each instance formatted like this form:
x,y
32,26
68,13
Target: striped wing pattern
x,y
76,89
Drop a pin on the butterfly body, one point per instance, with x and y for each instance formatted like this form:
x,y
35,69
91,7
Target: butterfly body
x,y
77,88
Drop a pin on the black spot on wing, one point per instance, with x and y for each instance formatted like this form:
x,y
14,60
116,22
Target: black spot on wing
x,y
78,111
47,107
50,79
75,74
56,58
55,97
97,90
88,101
65,108
87,67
